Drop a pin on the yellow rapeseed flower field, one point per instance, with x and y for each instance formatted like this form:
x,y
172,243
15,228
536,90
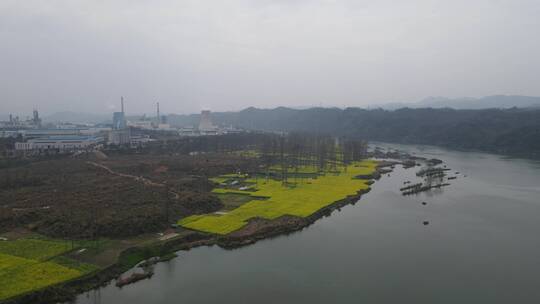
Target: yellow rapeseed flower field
x,y
302,200
28,264
19,275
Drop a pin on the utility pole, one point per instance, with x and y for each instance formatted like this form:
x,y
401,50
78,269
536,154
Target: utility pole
x,y
167,204
283,165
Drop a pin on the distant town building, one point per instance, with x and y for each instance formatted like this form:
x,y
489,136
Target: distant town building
x,y
119,121
164,127
188,131
37,133
143,123
119,137
160,122
205,123
36,120
140,140
119,118
8,133
62,143
206,127
95,131
120,134
15,123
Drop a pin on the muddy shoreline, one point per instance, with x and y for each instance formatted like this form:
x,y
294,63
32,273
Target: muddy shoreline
x,y
256,230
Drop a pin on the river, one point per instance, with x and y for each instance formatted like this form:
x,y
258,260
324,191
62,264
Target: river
x,y
482,245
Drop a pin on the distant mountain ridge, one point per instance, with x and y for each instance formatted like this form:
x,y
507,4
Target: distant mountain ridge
x,y
508,131
487,102
468,103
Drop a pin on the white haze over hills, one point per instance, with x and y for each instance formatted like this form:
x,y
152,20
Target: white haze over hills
x,y
496,101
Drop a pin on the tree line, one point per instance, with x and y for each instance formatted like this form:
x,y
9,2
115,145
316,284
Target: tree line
x,y
509,131
283,152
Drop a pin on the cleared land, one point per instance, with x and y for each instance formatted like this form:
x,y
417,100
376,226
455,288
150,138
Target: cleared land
x,y
302,200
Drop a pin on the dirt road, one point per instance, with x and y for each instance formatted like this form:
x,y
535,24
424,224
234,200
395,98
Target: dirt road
x,y
141,179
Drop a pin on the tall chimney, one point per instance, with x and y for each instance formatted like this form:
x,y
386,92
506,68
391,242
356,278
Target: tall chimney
x,y
122,103
158,117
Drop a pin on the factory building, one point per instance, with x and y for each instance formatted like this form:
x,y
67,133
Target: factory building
x,y
188,131
119,121
62,143
206,127
205,124
119,118
120,137
50,132
15,123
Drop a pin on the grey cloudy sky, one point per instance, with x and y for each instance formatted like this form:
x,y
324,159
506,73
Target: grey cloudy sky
x,y
227,55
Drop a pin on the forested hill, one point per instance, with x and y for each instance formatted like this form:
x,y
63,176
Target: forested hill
x,y
509,131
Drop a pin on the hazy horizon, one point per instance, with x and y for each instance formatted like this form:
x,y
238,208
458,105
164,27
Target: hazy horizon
x,y
82,56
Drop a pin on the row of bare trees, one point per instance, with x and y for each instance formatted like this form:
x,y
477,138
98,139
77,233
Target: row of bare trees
x,y
286,153
294,151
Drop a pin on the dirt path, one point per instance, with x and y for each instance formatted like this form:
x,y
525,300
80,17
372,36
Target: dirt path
x,y
141,179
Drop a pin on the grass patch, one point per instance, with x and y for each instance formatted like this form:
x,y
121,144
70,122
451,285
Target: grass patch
x,y
302,200
74,264
133,256
219,179
247,153
306,169
231,191
34,249
233,200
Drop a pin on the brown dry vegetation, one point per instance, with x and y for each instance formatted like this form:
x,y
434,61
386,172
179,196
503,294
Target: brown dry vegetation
x,y
70,197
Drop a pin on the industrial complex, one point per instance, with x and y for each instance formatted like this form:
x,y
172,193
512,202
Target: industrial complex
x,y
33,136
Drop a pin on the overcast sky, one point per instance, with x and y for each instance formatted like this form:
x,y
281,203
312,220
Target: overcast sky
x,y
227,55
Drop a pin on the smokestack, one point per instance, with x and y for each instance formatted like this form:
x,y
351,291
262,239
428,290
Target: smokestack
x,y
158,117
122,103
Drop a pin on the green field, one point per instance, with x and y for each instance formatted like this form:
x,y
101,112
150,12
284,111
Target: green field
x,y
34,249
307,169
302,200
232,200
31,264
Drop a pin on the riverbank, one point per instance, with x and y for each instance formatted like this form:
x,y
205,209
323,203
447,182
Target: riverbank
x,y
301,193
256,229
